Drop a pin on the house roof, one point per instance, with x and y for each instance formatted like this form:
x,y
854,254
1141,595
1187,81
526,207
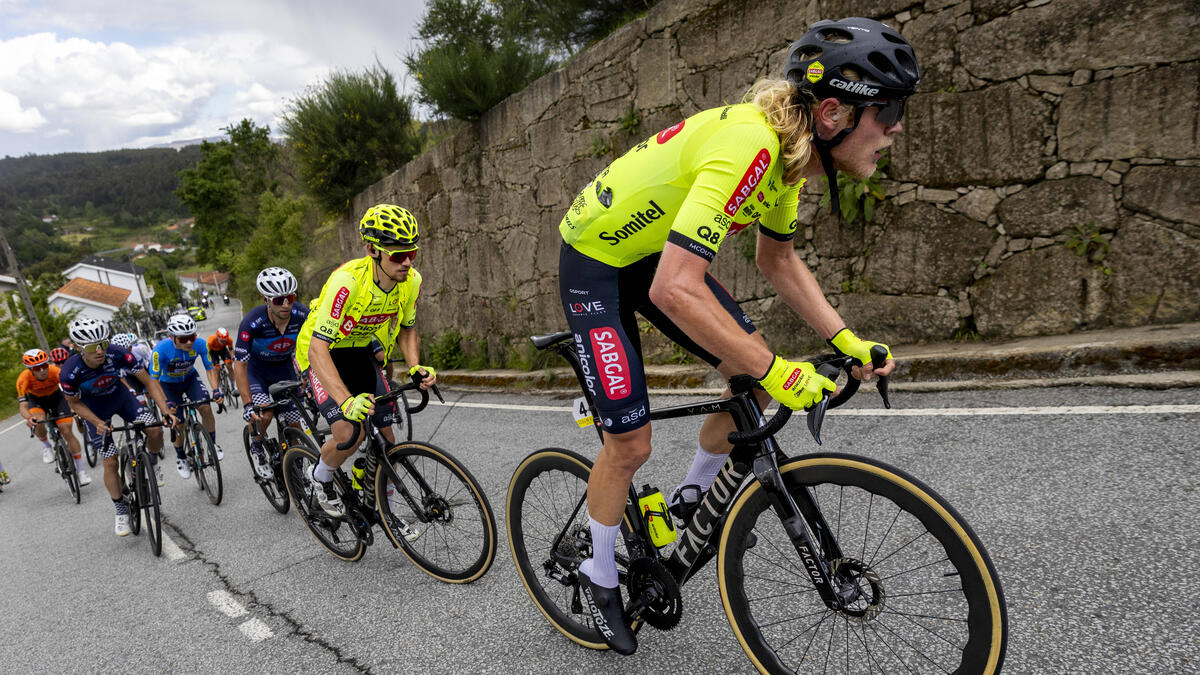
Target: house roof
x,y
116,266
209,277
95,291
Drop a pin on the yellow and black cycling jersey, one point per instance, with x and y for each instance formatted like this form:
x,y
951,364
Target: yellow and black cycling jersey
x,y
692,184
352,310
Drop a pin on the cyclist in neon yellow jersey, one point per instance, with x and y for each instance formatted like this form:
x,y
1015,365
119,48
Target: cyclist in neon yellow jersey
x,y
368,298
640,237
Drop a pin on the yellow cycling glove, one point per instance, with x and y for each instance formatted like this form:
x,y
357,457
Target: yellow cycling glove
x,y
849,344
796,384
430,372
355,408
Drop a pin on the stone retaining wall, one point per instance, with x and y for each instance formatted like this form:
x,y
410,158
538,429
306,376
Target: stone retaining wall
x,y
1036,122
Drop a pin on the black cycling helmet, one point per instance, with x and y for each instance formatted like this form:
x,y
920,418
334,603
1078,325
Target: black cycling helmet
x,y
859,62
882,64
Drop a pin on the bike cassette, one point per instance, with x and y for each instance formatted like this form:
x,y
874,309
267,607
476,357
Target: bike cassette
x,y
651,584
859,588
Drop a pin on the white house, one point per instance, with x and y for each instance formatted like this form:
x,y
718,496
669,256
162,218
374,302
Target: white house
x,y
94,300
211,281
113,273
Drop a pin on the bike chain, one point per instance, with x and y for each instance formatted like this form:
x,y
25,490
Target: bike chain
x,y
646,575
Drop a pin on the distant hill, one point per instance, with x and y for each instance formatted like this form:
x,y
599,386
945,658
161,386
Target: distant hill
x,y
179,145
136,182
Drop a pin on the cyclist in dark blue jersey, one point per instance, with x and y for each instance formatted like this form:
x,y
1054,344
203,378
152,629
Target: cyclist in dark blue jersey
x,y
172,364
262,356
92,383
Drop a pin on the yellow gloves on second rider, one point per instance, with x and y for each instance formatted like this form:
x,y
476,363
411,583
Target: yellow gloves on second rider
x,y
796,384
355,408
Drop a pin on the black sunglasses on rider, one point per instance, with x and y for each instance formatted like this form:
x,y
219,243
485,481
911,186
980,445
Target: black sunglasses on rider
x,y
186,338
889,112
280,299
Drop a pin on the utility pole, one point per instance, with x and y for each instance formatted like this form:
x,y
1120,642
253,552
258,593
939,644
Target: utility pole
x,y
24,291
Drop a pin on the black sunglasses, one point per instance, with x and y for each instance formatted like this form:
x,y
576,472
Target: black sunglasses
x,y
889,112
280,299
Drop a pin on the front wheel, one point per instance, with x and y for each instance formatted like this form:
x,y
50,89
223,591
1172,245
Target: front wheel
x,y
917,590
274,490
148,500
126,472
548,534
207,466
335,534
444,524
66,467
90,451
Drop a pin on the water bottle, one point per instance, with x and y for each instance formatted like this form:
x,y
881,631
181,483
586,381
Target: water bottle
x,y
653,507
357,472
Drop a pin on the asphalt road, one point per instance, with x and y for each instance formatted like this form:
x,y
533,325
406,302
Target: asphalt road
x,y
1091,517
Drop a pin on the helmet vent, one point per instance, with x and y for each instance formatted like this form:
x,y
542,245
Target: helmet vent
x,y
881,63
836,36
893,37
906,62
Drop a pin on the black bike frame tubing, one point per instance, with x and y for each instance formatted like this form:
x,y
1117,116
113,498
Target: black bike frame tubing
x,y
695,549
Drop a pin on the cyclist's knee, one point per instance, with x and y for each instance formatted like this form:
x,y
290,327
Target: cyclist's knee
x,y
110,463
629,450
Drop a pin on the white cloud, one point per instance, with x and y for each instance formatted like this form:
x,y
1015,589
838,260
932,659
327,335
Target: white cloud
x,y
104,74
16,119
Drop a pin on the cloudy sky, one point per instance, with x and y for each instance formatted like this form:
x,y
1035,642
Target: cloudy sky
x,y
90,75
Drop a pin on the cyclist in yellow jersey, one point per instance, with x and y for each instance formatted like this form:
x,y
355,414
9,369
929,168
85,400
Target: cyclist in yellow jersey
x,y
369,298
641,235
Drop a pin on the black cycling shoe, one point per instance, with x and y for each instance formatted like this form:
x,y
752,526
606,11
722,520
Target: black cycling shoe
x,y
604,605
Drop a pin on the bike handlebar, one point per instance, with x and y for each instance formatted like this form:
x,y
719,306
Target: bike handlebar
x,y
137,426
828,366
392,395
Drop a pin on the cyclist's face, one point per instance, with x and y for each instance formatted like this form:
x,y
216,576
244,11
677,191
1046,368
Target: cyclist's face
x,y
278,312
41,372
398,271
858,154
92,359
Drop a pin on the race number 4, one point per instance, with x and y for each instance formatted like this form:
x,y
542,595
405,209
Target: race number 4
x,y
583,417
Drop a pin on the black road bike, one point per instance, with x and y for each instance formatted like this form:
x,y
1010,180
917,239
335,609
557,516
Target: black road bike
x,y
199,450
139,484
426,502
227,386
90,451
283,394
826,562
63,461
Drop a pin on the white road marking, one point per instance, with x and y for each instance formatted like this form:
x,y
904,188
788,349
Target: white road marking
x,y
174,553
226,605
256,630
926,412
14,425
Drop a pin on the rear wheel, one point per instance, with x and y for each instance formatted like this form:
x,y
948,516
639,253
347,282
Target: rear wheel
x,y
148,501
274,489
548,534
918,591
335,534
207,465
447,529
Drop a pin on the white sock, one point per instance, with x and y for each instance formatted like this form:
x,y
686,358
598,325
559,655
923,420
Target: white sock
x,y
79,464
601,568
323,472
705,467
46,444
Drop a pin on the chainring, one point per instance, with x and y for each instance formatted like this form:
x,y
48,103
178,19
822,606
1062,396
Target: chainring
x,y
646,575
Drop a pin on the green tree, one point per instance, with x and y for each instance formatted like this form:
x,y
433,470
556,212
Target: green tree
x,y
280,239
347,133
474,54
222,189
571,25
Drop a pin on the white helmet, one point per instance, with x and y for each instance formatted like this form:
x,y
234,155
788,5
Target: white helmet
x,y
87,331
125,340
181,324
222,332
274,282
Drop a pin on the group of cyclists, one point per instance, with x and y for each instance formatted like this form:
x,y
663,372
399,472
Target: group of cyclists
x,y
639,237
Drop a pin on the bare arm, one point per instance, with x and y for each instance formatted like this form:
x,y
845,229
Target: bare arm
x,y
242,380
790,277
154,389
680,292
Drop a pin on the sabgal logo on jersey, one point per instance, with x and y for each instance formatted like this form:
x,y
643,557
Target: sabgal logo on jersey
x,y
339,301
754,174
637,222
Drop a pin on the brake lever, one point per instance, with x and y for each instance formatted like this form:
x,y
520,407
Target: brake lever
x,y
878,360
816,414
437,393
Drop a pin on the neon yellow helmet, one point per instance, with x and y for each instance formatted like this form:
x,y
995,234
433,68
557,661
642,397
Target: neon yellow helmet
x,y
389,225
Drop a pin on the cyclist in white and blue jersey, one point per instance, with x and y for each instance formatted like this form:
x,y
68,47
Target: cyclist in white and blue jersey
x,y
172,364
